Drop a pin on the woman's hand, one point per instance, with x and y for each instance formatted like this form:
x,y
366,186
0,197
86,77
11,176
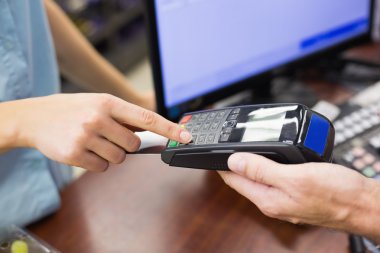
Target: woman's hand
x,y
315,193
88,130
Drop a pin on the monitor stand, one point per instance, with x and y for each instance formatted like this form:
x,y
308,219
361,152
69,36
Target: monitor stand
x,y
279,90
284,90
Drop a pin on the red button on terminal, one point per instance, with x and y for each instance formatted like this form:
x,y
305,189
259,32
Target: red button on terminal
x,y
186,119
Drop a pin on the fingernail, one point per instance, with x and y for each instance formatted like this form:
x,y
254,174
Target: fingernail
x,y
236,163
185,136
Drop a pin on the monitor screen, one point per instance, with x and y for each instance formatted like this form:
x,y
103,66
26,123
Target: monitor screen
x,y
207,45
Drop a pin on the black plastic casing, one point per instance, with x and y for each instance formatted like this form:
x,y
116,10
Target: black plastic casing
x,y
215,156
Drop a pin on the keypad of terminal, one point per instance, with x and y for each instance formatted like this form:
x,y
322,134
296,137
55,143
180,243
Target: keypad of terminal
x,y
209,127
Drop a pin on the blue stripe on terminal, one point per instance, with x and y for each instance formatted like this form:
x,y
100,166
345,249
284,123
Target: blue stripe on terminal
x,y
317,134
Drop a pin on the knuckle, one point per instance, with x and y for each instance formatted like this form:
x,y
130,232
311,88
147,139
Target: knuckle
x,y
119,157
137,144
105,100
149,118
100,166
94,163
257,174
133,144
227,178
172,129
93,120
271,210
86,160
80,139
72,155
294,221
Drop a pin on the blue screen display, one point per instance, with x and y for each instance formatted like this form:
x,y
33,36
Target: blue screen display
x,y
206,45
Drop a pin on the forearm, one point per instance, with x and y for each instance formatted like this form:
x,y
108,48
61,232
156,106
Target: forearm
x,y
80,62
365,219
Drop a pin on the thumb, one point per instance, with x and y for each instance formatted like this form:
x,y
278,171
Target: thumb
x,y
257,168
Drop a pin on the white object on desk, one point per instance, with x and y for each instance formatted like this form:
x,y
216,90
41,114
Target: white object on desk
x,y
368,96
149,140
327,109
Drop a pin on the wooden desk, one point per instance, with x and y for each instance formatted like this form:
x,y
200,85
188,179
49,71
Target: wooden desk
x,y
145,206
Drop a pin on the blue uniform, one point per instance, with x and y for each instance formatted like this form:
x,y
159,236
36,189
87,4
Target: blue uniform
x,y
29,182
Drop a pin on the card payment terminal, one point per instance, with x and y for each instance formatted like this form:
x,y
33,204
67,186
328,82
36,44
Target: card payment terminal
x,y
285,133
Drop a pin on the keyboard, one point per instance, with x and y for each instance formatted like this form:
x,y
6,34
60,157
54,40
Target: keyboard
x,y
357,144
357,139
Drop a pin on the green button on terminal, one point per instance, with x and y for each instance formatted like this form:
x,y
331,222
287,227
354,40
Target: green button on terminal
x,y
369,172
173,144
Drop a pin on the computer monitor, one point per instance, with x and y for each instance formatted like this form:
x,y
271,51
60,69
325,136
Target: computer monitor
x,y
204,50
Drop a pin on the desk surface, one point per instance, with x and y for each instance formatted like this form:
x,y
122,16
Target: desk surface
x,y
145,206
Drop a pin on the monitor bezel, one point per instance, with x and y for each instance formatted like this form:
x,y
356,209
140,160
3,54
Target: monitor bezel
x,y
233,88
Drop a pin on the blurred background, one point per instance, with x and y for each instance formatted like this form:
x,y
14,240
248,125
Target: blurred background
x,y
116,29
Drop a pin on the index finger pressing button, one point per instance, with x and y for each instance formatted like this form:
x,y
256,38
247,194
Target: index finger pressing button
x,y
127,113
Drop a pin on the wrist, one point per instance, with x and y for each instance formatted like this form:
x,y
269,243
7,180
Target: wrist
x,y
18,127
31,113
10,125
